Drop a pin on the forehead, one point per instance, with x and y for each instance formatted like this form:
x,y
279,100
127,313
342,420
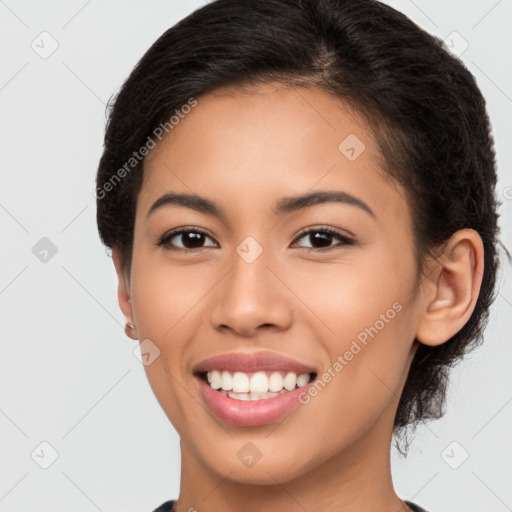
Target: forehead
x,y
272,140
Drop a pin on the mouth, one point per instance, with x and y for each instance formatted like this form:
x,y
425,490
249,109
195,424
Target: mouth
x,y
252,408
252,389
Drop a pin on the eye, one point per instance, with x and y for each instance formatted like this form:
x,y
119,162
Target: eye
x,y
183,239
189,239
322,238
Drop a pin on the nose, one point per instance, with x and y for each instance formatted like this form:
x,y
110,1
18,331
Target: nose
x,y
251,299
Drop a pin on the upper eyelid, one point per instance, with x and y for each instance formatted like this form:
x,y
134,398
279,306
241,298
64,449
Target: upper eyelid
x,y
185,229
328,229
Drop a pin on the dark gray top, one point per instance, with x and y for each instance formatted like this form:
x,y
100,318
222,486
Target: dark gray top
x,y
167,507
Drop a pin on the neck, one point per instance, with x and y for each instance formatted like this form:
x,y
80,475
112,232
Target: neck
x,y
358,478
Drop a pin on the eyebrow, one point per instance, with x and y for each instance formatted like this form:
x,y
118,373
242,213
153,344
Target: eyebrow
x,y
294,203
284,205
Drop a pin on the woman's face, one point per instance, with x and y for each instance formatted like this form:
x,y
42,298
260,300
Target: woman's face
x,y
343,304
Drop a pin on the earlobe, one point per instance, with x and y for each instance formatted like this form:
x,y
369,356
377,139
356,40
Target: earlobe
x,y
450,292
124,293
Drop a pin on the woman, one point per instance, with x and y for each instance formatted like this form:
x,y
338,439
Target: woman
x,y
299,198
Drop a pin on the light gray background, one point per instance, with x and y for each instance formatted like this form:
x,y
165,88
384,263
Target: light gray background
x,y
68,373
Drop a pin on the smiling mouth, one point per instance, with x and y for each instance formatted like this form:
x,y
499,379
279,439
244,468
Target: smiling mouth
x,y
258,385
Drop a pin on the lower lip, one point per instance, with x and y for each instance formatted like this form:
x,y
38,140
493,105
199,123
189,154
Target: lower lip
x,y
250,413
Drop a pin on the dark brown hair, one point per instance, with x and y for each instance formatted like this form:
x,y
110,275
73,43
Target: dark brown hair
x,y
421,102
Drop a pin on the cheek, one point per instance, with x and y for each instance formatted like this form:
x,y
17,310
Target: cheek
x,y
161,316
352,292
164,296
366,310
365,378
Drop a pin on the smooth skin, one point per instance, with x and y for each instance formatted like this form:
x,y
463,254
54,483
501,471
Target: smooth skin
x,y
245,152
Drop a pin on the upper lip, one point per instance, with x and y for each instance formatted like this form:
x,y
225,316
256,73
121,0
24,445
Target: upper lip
x,y
259,361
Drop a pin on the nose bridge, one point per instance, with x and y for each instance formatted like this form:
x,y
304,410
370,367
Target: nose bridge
x,y
250,296
249,278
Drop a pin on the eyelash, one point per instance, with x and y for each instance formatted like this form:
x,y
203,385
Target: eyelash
x,y
164,241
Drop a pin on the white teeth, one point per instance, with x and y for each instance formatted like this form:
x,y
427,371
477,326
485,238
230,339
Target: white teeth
x,y
215,379
227,381
252,396
240,382
259,383
302,380
239,396
254,386
290,381
275,383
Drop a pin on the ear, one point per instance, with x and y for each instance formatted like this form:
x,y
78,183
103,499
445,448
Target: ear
x,y
123,291
450,288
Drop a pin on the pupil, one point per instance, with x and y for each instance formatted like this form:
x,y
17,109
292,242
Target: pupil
x,y
192,239
325,239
